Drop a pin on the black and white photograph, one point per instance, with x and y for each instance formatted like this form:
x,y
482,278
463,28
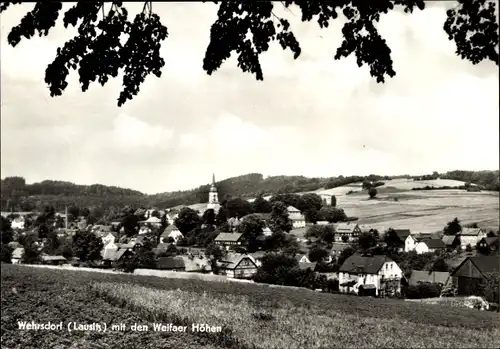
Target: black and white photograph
x,y
250,174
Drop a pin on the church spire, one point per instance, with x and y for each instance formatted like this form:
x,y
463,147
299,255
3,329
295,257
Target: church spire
x,y
213,178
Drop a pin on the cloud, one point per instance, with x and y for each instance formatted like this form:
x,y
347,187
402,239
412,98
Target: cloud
x,y
130,132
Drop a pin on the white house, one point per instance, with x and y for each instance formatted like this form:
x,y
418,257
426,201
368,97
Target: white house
x,y
17,254
154,221
363,271
17,223
471,236
429,246
144,230
298,219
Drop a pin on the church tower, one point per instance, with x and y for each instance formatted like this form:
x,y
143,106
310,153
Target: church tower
x,y
213,198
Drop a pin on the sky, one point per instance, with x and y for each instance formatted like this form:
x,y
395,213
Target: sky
x,y
313,116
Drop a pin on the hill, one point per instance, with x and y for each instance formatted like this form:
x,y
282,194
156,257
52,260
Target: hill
x,y
17,195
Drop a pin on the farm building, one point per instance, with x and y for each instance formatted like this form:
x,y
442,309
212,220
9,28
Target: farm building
x,y
229,240
413,239
400,236
473,272
471,236
53,260
350,230
490,244
238,266
435,277
429,246
367,269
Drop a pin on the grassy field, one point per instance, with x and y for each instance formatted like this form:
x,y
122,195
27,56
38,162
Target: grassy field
x,y
250,315
418,210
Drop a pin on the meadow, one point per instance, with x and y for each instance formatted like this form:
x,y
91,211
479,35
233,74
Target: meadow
x,y
250,315
398,206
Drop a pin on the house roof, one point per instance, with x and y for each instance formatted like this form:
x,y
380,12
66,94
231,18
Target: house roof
x,y
153,219
263,216
339,247
470,231
233,237
448,239
257,255
171,263
424,236
52,258
440,277
361,264
125,246
345,227
368,287
231,260
305,266
485,264
491,241
402,233
168,230
298,257
434,243
113,255
292,209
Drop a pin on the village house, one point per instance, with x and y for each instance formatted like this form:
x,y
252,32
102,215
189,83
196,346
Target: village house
x,y
451,242
413,239
490,244
326,199
229,240
171,232
110,237
143,230
367,273
267,231
171,263
471,236
18,223
298,219
471,274
237,266
429,246
153,221
350,230
17,255
184,263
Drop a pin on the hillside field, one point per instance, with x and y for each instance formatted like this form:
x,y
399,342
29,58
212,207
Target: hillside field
x,y
249,315
418,210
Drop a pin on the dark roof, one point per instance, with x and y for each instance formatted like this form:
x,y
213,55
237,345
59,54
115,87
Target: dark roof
x,y
491,241
448,239
345,227
440,277
364,264
368,287
486,264
402,233
171,263
305,266
228,237
434,243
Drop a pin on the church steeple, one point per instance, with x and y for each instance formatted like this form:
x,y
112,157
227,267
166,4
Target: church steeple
x,y
212,196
